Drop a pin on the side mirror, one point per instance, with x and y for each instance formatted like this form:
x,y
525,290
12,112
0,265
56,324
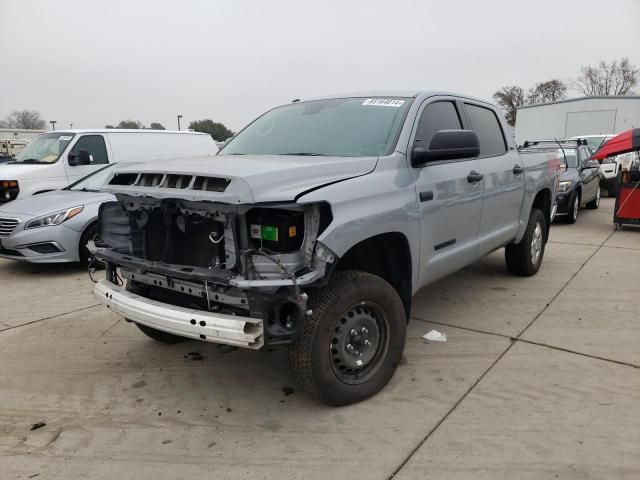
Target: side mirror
x,y
448,145
83,157
590,164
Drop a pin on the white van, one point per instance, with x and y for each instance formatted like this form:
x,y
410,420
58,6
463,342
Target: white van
x,y
56,159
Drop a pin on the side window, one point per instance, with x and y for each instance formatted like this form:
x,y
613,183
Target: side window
x,y
94,144
435,117
486,125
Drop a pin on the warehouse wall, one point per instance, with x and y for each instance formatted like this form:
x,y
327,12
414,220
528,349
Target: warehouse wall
x,y
585,116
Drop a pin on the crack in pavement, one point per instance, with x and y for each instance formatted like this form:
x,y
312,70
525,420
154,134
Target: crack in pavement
x,y
13,327
514,340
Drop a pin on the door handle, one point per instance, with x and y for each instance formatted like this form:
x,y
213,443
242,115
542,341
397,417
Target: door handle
x,y
474,176
426,196
518,169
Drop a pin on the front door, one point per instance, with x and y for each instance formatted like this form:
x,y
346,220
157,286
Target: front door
x,y
590,177
449,196
95,145
503,179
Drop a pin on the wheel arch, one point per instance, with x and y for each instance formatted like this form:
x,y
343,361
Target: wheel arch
x,y
387,255
542,202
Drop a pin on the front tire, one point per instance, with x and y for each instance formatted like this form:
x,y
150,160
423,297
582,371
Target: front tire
x,y
352,343
525,258
573,207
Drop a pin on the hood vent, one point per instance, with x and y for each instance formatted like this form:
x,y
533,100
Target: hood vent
x,y
171,180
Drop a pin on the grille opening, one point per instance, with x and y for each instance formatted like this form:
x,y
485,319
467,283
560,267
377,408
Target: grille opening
x,y
177,181
150,179
210,184
124,179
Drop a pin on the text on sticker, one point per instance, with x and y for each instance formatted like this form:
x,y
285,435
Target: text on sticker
x,y
383,102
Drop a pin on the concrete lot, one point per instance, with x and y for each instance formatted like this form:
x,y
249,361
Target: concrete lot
x,y
539,379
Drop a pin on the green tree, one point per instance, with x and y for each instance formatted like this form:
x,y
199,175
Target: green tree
x,y
218,131
156,126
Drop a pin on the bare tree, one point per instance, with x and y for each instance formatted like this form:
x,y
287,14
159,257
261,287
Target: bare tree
x,y
156,126
28,119
509,99
615,78
549,91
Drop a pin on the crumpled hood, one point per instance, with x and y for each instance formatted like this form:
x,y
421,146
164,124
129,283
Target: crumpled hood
x,y
259,178
50,202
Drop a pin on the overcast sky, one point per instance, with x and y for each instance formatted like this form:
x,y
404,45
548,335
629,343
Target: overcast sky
x,y
92,63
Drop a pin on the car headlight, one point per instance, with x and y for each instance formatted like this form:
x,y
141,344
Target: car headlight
x,y
564,186
54,218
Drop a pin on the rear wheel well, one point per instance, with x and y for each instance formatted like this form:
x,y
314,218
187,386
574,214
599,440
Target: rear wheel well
x,y
387,255
543,203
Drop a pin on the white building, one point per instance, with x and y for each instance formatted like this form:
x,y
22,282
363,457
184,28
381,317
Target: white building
x,y
18,133
577,116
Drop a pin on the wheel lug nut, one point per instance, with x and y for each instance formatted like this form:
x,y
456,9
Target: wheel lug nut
x,y
364,330
353,333
367,343
350,347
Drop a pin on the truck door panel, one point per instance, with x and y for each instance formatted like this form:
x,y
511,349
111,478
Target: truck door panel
x,y
503,180
449,204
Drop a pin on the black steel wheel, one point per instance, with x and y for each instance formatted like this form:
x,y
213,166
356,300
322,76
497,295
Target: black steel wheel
x,y
352,343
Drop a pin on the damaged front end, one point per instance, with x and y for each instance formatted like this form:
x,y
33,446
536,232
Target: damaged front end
x,y
219,272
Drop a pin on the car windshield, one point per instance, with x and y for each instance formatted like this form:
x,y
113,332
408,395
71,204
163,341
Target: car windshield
x,y
595,142
569,159
93,181
45,148
344,127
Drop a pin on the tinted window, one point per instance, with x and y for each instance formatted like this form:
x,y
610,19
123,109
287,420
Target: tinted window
x,y
485,123
94,144
435,117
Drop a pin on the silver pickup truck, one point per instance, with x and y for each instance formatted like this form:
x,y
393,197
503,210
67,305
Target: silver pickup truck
x,y
315,226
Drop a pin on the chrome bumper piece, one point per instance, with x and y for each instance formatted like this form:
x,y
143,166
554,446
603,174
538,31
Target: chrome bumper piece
x,y
234,330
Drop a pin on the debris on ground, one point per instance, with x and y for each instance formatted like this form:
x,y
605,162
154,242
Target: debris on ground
x,y
435,336
38,425
195,356
288,391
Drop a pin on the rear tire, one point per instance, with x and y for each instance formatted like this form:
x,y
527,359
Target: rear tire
x,y
595,203
352,343
525,258
160,336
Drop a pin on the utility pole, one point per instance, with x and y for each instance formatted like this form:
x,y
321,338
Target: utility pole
x,y
53,125
71,126
179,117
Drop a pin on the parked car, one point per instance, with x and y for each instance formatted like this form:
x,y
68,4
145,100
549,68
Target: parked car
x,y
579,181
54,227
610,168
316,224
56,159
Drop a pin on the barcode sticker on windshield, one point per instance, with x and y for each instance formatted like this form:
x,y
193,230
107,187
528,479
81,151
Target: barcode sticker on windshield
x,y
65,137
384,102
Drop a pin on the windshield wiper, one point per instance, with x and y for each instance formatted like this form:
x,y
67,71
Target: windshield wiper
x,y
28,160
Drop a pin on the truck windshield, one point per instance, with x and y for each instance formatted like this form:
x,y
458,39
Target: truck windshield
x,y
343,127
45,148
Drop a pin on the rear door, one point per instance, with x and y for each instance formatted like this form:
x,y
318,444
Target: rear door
x,y
503,179
97,148
449,203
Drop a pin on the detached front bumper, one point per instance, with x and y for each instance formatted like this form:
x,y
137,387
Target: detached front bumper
x,y
234,330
